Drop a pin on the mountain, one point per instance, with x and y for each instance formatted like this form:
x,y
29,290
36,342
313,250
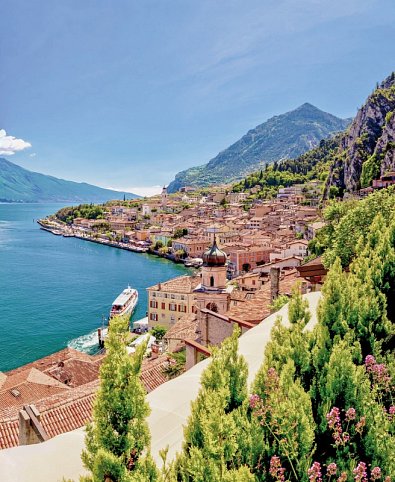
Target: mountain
x,y
283,136
367,149
20,185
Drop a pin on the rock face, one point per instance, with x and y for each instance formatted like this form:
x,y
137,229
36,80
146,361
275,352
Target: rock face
x,y
367,148
285,136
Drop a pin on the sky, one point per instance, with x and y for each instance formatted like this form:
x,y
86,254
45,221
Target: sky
x,y
126,93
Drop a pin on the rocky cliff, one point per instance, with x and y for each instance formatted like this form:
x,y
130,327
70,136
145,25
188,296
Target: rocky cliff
x,y
368,146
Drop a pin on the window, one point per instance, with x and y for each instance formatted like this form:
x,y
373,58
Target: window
x,y
172,307
153,304
212,307
173,297
211,281
153,317
163,306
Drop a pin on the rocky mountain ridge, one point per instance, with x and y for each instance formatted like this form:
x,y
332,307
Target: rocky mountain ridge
x,y
284,136
367,148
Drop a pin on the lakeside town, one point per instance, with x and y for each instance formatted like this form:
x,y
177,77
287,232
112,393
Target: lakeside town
x,y
248,255
251,255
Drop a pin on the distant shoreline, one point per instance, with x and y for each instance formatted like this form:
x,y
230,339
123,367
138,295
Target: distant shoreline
x,y
57,231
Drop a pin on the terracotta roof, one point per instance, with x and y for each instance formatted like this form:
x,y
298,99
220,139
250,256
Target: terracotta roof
x,y
314,267
152,372
257,308
181,284
184,328
65,409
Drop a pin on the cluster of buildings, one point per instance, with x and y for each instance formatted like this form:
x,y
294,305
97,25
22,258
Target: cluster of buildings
x,y
249,257
184,226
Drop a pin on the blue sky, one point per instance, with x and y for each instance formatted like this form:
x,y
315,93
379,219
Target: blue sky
x,y
125,93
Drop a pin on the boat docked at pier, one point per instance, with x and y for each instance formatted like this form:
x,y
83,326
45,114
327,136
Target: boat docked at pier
x,y
125,303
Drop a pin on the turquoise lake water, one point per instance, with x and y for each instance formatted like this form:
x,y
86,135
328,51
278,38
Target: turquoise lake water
x,y
54,290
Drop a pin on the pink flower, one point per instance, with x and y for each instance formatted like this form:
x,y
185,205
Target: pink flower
x,y
360,425
360,473
275,470
350,414
333,417
343,477
314,472
369,361
254,400
391,410
331,469
387,479
376,473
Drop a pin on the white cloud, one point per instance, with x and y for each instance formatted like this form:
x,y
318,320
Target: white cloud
x,y
9,145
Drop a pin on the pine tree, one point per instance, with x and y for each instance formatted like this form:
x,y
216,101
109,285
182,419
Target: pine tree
x,y
118,439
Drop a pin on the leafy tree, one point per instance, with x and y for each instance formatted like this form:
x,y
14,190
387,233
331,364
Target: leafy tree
x,y
158,331
279,302
117,441
354,222
180,232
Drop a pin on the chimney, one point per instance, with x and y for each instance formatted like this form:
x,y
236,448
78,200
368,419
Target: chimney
x,y
274,283
30,429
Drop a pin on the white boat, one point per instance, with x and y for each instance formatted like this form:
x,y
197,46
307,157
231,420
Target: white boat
x,y
125,303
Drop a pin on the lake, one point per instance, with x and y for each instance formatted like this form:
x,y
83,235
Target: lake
x,y
54,291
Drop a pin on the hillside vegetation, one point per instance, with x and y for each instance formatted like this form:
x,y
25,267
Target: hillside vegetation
x,y
313,165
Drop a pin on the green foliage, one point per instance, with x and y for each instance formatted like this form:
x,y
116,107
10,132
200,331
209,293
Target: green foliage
x,y
158,331
158,245
278,303
347,221
370,170
176,365
213,447
180,232
389,116
180,254
118,438
87,211
313,165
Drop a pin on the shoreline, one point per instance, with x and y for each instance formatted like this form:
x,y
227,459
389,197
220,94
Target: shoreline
x,y
60,231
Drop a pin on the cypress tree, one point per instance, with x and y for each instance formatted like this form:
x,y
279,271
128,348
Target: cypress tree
x,y
118,439
213,444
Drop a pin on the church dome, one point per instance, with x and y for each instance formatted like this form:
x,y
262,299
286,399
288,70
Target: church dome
x,y
214,256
